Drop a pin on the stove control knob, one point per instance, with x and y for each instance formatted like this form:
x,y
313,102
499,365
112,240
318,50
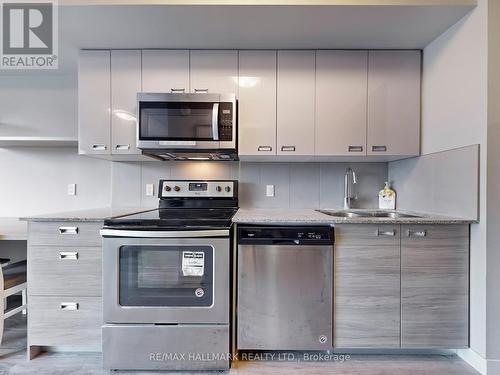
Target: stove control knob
x,y
177,188
167,188
218,188
199,292
227,189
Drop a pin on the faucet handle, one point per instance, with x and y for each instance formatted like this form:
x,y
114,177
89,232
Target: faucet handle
x,y
354,180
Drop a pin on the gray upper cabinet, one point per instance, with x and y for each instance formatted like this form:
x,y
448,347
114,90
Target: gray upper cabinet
x,y
257,103
214,71
165,71
94,102
341,81
394,103
125,84
435,286
295,102
367,286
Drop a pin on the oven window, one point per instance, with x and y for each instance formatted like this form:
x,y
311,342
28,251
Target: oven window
x,y
176,121
166,276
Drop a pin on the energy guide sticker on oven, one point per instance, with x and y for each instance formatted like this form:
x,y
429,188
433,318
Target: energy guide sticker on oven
x,y
193,263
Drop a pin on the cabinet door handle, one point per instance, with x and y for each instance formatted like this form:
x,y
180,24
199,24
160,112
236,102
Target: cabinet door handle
x,y
204,91
288,148
69,306
379,148
390,233
122,147
418,233
68,230
172,90
98,147
69,255
264,148
355,148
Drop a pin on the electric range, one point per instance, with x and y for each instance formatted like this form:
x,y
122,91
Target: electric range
x,y
166,280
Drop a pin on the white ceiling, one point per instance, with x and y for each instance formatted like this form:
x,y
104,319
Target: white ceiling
x,y
240,27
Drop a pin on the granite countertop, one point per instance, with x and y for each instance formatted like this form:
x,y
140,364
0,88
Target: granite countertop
x,y
310,216
92,214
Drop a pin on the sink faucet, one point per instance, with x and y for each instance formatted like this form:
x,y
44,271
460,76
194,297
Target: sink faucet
x,y
349,181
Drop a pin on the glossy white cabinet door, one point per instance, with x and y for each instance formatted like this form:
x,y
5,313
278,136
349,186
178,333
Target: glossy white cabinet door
x,y
125,84
165,71
257,103
214,71
341,79
295,102
394,102
94,95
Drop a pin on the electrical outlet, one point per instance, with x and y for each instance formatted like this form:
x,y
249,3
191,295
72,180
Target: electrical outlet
x,y
150,190
269,190
71,189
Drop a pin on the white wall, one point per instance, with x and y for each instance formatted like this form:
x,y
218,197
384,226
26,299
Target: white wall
x,y
454,114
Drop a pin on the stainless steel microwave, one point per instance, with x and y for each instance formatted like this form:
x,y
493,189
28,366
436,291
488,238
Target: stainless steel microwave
x,y
175,126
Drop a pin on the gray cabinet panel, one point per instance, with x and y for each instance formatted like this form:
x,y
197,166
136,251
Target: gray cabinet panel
x,y
64,234
94,102
435,286
65,321
341,79
64,271
367,286
393,103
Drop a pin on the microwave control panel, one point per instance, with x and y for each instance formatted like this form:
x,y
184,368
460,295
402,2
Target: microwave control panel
x,y
226,121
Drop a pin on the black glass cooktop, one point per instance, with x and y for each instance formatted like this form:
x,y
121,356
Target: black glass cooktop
x,y
171,218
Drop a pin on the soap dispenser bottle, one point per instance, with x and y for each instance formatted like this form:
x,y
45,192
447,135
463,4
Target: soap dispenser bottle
x,y
387,198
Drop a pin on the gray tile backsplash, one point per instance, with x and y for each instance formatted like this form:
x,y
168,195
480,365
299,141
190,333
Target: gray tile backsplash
x,y
310,185
297,185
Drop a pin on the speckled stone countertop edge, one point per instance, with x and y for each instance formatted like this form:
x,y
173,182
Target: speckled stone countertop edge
x,y
89,215
310,217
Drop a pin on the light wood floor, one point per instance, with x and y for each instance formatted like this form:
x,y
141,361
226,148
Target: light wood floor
x,y
13,361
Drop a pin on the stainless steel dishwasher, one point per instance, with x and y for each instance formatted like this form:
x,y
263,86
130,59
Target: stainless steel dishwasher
x,y
284,299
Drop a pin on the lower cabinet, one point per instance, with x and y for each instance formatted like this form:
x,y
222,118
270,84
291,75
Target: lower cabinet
x,y
435,286
401,286
366,286
64,286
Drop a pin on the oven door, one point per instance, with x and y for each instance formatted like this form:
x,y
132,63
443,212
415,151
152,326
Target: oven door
x,y
185,121
170,279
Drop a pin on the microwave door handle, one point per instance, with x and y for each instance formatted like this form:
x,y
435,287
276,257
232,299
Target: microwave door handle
x,y
215,122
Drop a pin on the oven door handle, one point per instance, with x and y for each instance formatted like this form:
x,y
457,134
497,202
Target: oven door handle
x,y
215,122
164,234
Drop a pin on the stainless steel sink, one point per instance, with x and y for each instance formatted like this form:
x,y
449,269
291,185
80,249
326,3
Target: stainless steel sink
x,y
360,213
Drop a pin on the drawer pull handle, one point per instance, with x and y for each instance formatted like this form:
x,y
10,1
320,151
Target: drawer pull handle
x,y
98,147
69,306
420,233
288,148
264,148
122,147
68,230
172,90
203,91
70,255
355,148
379,148
391,233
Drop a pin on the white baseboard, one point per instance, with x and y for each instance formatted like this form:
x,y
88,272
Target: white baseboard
x,y
474,359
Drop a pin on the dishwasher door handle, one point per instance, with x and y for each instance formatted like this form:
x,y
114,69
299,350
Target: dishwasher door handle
x,y
286,242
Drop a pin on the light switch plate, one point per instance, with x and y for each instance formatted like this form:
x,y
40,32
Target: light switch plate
x,y
269,190
71,189
150,190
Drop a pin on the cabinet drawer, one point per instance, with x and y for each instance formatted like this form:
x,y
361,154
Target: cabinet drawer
x,y
65,321
64,271
64,233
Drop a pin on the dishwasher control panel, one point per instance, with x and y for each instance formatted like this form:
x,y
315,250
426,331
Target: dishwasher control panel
x,y
285,235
